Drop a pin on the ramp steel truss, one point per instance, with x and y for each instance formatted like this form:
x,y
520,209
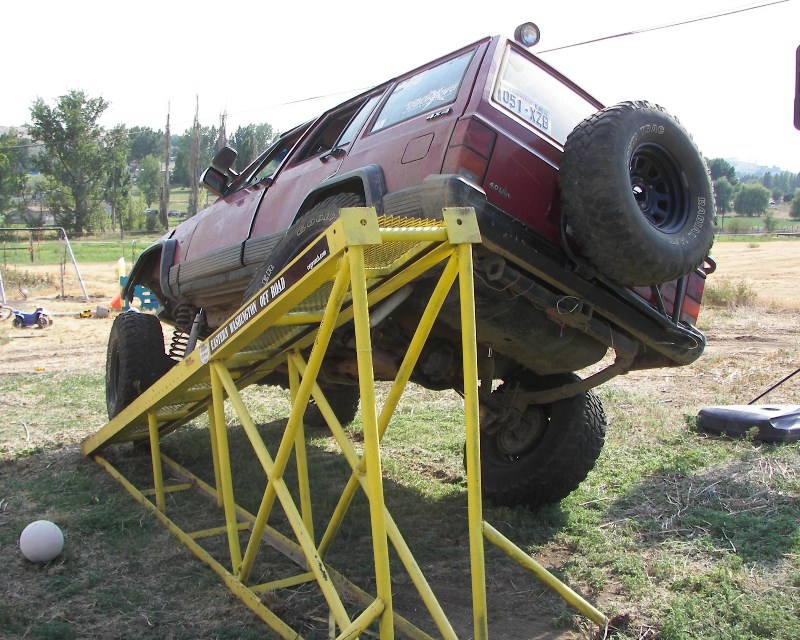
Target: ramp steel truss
x,y
355,264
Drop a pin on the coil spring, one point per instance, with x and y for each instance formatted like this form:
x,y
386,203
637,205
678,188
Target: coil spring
x,y
177,346
184,315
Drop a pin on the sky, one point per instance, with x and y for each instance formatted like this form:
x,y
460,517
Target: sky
x,y
729,80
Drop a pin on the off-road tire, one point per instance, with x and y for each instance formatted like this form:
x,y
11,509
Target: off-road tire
x,y
556,462
135,358
342,398
300,235
637,195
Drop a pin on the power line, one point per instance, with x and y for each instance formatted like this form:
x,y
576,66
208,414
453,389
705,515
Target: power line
x,y
670,25
713,16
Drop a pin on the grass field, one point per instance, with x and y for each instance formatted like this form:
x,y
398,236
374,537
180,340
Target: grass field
x,y
682,534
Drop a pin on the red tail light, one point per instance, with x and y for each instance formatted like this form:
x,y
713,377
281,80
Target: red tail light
x,y
469,151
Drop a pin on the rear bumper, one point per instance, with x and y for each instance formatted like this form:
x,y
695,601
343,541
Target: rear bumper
x,y
514,258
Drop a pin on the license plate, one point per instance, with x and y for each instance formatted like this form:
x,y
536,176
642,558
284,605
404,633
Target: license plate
x,y
524,107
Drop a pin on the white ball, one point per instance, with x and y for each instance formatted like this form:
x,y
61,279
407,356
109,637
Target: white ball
x,y
41,541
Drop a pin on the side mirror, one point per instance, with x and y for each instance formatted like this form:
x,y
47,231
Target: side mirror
x,y
797,91
224,159
215,181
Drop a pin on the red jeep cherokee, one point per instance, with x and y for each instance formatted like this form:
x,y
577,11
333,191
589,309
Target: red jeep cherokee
x,y
596,225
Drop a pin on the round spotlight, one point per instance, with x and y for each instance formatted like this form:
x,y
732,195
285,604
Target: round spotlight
x,y
527,34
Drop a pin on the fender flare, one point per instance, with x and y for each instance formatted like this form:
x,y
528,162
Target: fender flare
x,y
369,177
161,252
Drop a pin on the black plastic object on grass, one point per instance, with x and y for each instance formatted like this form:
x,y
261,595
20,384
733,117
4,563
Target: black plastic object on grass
x,y
774,423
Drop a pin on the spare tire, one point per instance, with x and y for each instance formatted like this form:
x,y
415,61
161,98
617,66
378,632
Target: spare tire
x,y
637,195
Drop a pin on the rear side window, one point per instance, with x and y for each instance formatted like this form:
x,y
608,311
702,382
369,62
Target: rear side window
x,y
428,90
533,95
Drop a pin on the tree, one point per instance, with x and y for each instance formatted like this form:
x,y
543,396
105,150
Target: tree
x,y
723,191
719,167
770,222
794,207
12,177
77,152
118,182
144,142
249,141
149,179
752,200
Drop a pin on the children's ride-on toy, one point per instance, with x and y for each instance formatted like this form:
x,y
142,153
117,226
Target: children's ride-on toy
x,y
38,318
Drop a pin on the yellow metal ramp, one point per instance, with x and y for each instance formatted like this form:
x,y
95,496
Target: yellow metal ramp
x,y
359,261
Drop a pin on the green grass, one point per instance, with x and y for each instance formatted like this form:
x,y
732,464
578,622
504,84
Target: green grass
x,y
16,254
691,536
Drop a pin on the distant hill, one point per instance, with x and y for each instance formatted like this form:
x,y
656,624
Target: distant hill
x,y
744,168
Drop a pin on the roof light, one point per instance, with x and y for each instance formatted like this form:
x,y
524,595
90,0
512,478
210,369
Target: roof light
x,y
527,34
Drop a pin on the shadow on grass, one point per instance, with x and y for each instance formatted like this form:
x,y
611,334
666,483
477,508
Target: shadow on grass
x,y
434,527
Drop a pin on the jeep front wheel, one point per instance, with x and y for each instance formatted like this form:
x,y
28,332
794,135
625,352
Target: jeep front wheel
x,y
135,358
539,454
637,195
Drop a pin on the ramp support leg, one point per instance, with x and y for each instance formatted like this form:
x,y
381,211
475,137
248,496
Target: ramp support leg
x,y
155,455
473,447
226,477
372,457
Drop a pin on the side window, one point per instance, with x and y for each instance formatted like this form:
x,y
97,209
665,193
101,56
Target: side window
x,y
430,89
275,156
356,123
338,126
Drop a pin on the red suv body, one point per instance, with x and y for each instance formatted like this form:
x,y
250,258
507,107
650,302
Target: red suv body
x,y
574,202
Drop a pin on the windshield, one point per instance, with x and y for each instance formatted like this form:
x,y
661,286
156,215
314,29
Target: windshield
x,y
533,95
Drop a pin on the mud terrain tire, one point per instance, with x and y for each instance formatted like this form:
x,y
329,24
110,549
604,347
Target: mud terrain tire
x,y
637,195
342,398
135,359
548,463
300,235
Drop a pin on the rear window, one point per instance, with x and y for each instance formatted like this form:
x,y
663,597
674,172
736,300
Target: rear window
x,y
531,94
428,90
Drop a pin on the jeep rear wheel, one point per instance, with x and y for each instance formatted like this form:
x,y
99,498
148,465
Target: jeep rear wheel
x,y
637,195
300,235
342,398
538,454
135,359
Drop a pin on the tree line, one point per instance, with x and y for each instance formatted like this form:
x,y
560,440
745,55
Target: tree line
x,y
753,195
88,172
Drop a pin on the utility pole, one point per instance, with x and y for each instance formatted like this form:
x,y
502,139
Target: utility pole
x,y
222,138
194,163
164,205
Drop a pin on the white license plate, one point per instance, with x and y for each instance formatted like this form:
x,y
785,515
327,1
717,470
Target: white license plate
x,y
524,107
